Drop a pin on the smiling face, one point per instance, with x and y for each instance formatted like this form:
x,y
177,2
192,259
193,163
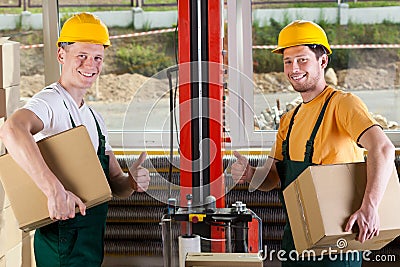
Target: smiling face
x,y
81,64
304,71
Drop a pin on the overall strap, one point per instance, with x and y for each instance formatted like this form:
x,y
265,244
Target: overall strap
x,y
102,140
101,150
285,143
310,143
70,116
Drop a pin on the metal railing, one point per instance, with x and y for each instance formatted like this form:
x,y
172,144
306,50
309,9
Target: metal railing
x,y
92,3
26,4
10,4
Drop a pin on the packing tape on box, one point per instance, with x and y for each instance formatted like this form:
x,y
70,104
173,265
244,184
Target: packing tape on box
x,y
300,201
188,244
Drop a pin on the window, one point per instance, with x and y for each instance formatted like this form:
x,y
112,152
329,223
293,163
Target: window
x,y
135,105
365,61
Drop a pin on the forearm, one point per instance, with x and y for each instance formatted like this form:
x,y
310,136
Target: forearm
x,y
120,182
265,178
23,149
124,184
121,185
380,165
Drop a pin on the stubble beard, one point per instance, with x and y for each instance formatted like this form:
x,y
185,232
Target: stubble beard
x,y
309,85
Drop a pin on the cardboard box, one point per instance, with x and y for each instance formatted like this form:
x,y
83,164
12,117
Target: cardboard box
x,y
72,158
9,63
2,147
320,201
4,201
10,234
13,257
28,255
12,99
2,103
223,259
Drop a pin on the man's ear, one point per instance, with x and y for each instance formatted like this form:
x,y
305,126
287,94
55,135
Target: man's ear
x,y
60,55
324,61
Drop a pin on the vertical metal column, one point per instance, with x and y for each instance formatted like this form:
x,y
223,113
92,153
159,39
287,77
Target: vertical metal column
x,y
240,70
240,74
184,74
200,101
215,119
50,36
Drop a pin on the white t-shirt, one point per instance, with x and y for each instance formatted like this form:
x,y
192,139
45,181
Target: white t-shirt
x,y
49,106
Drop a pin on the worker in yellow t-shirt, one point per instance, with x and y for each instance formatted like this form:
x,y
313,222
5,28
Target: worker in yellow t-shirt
x,y
328,127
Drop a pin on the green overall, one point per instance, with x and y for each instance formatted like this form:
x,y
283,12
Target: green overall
x,y
78,241
288,171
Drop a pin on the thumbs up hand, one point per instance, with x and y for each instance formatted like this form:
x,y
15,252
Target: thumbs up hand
x,y
241,170
140,175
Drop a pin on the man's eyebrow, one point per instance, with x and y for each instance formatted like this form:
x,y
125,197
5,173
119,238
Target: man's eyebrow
x,y
298,56
87,53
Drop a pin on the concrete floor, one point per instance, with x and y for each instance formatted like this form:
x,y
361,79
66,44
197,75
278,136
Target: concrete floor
x,y
117,261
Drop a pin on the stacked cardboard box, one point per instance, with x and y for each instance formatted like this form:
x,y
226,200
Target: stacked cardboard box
x,y
13,241
10,74
2,115
3,110
9,80
9,63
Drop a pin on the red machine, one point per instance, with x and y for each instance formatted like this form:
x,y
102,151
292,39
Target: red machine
x,y
202,183
200,100
200,105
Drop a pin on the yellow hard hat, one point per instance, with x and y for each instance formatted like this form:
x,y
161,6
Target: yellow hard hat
x,y
302,32
85,28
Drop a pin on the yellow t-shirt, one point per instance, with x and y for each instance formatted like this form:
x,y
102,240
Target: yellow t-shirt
x,y
345,120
